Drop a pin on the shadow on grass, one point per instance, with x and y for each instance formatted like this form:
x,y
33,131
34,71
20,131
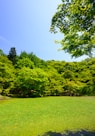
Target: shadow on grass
x,y
71,133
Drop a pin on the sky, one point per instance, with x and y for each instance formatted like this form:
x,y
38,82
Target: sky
x,y
25,24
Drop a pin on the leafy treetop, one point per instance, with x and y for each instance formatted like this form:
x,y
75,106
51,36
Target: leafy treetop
x,y
76,20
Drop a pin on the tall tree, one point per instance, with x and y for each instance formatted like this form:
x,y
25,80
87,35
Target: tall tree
x,y
76,20
12,55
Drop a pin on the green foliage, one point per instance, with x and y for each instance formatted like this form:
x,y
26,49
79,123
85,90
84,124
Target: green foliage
x,y
55,86
30,82
33,77
6,75
24,62
23,55
1,53
73,88
58,65
37,61
12,55
68,74
76,20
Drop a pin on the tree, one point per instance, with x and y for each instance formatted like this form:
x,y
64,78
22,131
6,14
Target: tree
x,y
7,75
23,54
68,74
24,62
30,82
37,61
12,55
58,65
76,20
55,85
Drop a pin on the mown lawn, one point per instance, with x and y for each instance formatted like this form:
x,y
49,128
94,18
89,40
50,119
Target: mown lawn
x,y
36,116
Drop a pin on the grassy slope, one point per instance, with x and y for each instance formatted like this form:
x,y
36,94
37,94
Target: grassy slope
x,y
32,117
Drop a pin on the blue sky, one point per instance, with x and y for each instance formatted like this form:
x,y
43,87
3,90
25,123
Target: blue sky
x,y
25,24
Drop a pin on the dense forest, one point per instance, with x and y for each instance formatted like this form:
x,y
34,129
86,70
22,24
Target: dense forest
x,y
26,75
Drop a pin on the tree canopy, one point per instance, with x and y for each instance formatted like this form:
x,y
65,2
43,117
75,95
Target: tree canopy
x,y
32,77
76,20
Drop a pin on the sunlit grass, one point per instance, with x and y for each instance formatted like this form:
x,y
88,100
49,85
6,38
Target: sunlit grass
x,y
33,117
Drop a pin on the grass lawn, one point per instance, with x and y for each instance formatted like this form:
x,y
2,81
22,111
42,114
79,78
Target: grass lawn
x,y
36,116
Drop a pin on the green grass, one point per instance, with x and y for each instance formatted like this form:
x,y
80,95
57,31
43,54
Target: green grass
x,y
33,117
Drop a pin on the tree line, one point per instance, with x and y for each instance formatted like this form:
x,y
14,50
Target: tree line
x,y
26,75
